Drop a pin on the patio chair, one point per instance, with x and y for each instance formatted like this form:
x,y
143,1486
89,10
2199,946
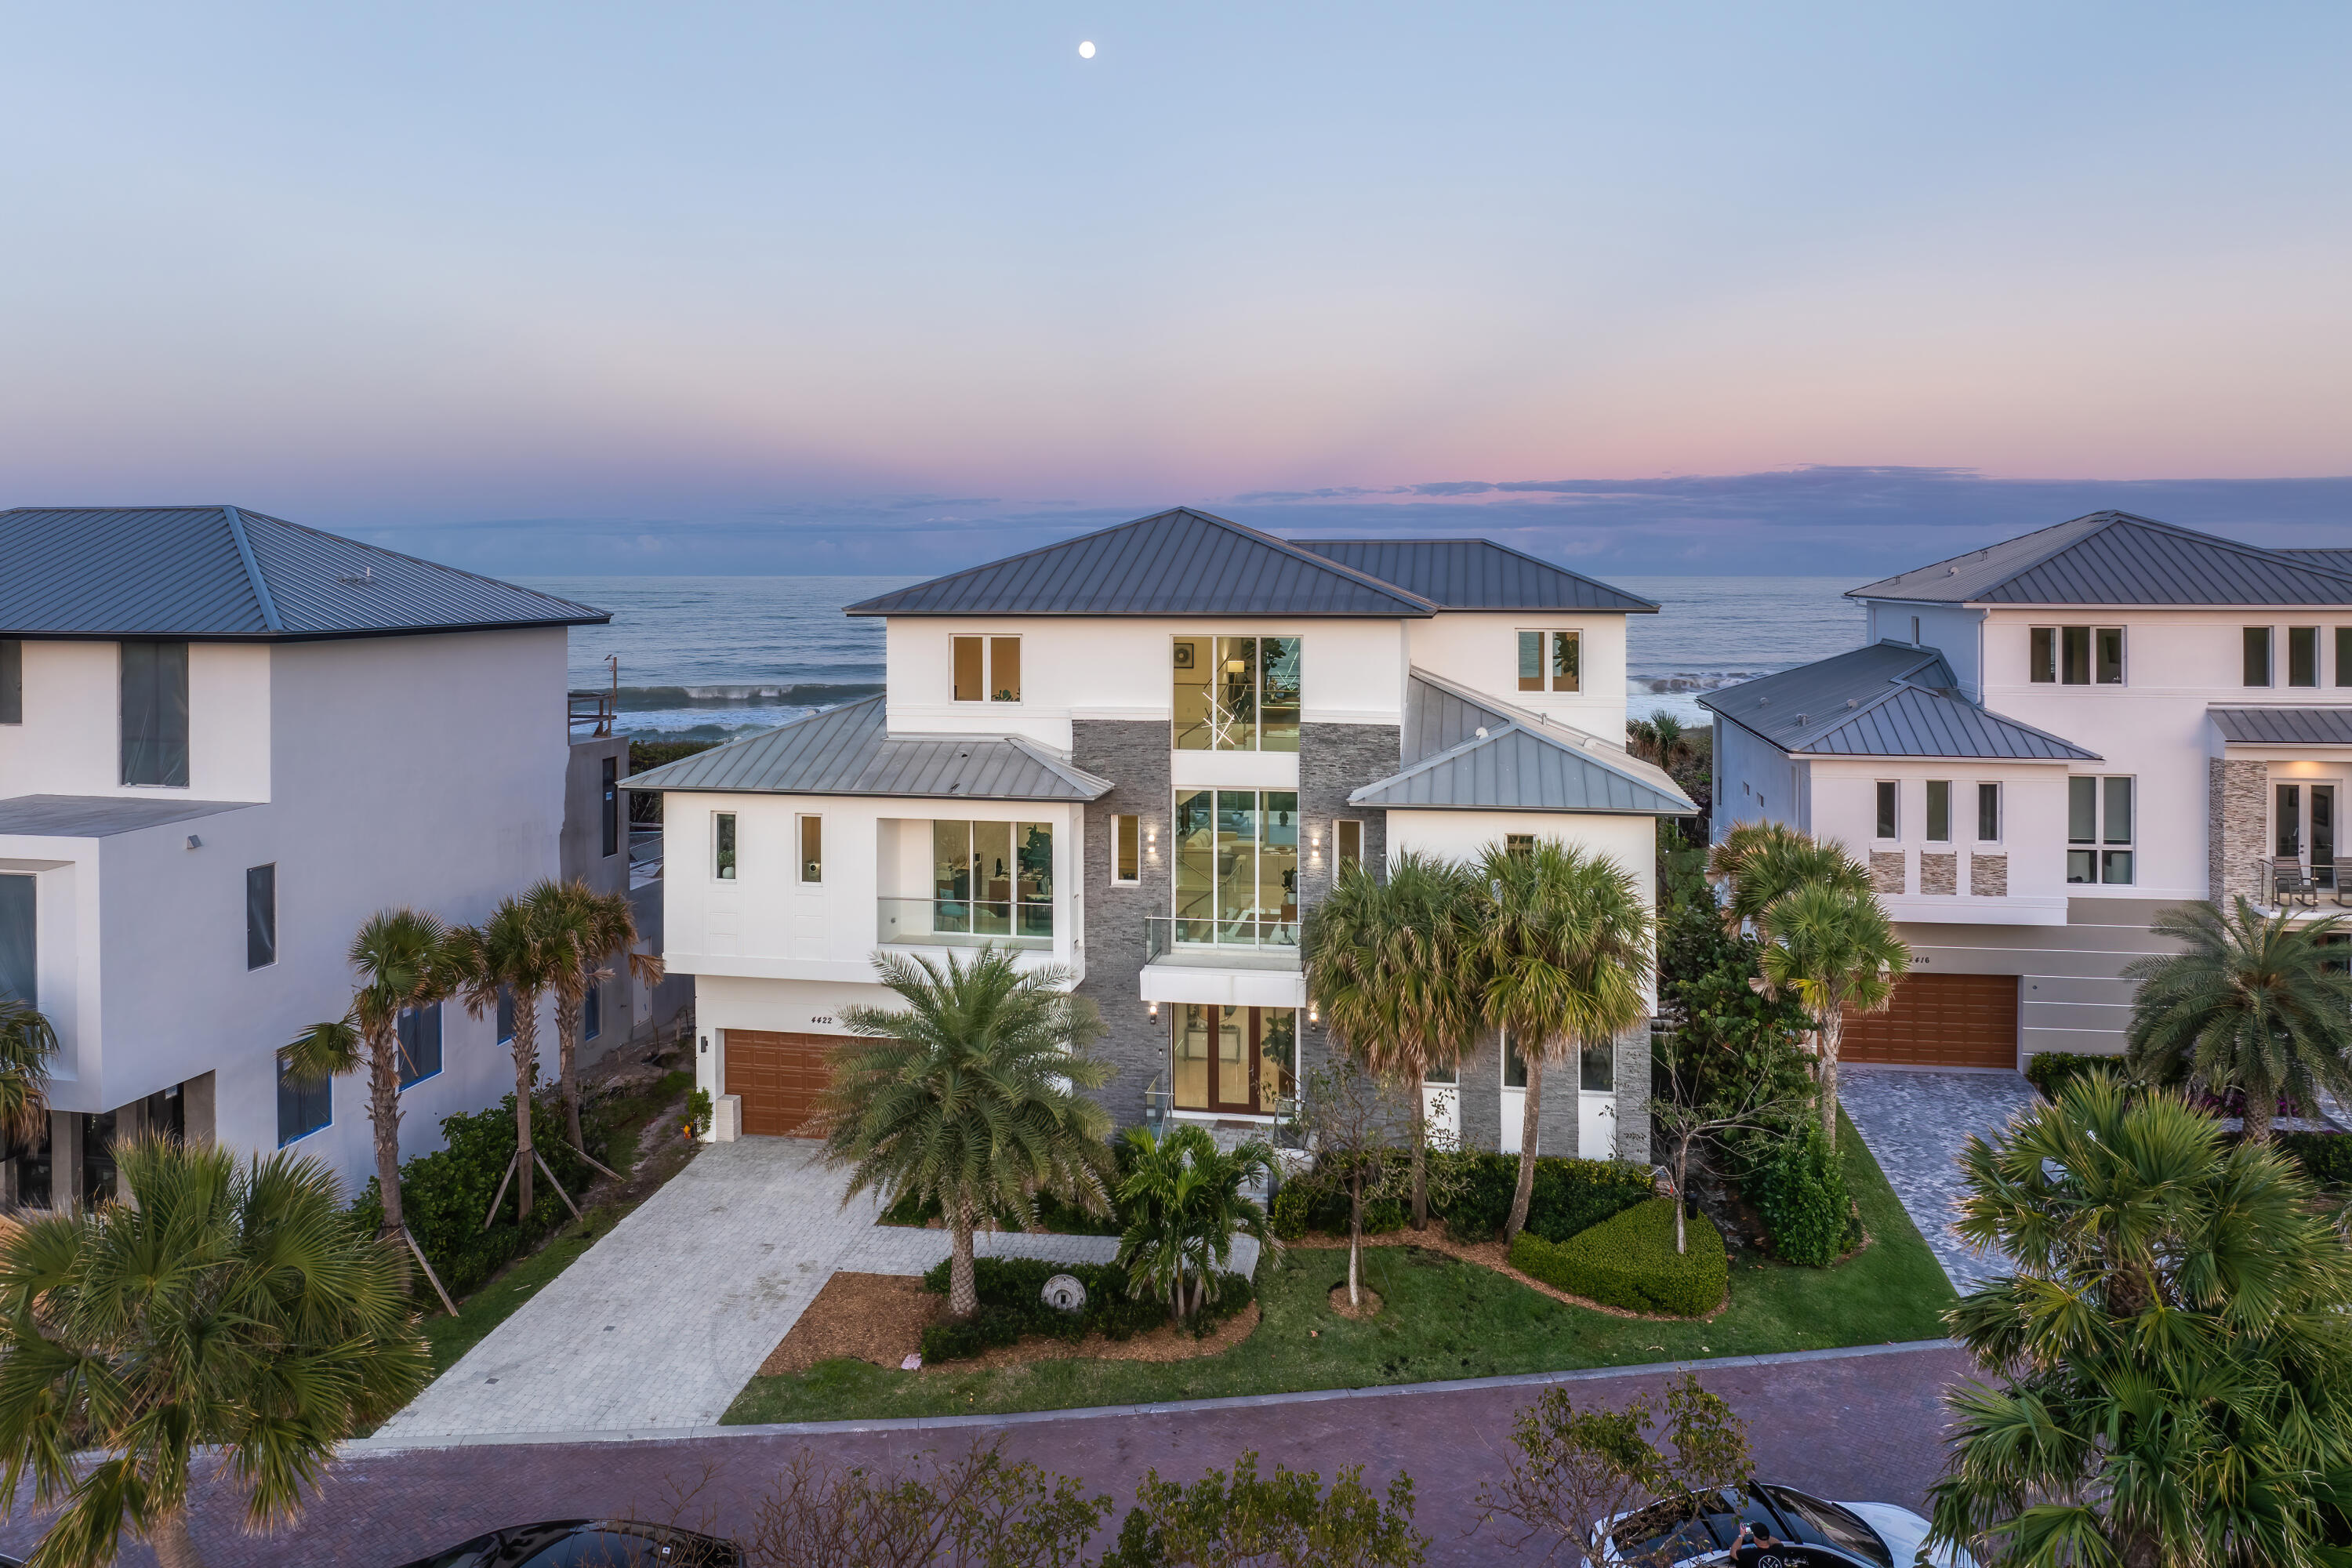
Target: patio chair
x,y
2290,883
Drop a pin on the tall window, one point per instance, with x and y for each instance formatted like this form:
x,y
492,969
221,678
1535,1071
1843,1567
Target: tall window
x,y
1126,848
1939,811
304,1105
1597,1067
1346,842
987,669
1237,1059
1236,694
12,681
610,805
722,846
261,916
2303,656
992,878
811,861
506,1015
591,1011
1551,661
1237,867
2344,655
2099,829
2287,823
1887,822
2257,658
155,714
2076,656
420,1044
1988,814
19,953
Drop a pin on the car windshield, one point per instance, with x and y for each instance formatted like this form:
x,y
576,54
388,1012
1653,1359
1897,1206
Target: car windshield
x,y
1673,1531
1824,1523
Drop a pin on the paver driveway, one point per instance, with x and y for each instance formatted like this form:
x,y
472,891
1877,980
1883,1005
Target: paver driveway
x,y
660,1325
1917,1123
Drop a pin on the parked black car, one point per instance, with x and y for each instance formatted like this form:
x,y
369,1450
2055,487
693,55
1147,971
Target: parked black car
x,y
588,1543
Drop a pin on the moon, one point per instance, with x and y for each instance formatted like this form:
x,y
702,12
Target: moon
x,y
1086,51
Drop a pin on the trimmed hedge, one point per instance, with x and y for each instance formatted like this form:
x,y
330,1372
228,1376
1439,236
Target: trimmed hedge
x,y
1629,1261
1013,1306
2326,1157
1798,1185
2051,1071
1570,1195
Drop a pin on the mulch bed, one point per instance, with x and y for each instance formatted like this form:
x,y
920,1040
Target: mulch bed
x,y
880,1318
1368,1304
1492,1255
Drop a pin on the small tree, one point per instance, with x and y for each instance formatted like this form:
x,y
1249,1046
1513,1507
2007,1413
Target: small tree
x,y
511,953
1684,1118
1352,1124
594,927
1835,950
979,1510
1183,1199
1577,1467
1757,863
1282,1520
29,1042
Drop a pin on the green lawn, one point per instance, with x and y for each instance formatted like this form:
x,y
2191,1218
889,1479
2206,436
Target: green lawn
x,y
1443,1320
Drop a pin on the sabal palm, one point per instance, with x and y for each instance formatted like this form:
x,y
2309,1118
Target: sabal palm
x,y
1564,943
512,950
29,1042
1835,950
406,959
1759,862
596,926
2250,1004
230,1307
1393,969
970,1095
1182,1197
2169,1366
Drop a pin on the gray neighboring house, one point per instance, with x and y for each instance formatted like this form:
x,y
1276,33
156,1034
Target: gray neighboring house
x,y
2045,743
1140,755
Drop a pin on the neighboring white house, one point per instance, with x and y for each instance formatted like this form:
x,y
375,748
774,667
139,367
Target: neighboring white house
x,y
225,741
1141,754
2045,743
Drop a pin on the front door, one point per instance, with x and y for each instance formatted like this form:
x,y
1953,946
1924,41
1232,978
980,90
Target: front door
x,y
1235,1060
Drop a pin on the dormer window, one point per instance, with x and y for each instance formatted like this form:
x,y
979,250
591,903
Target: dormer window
x,y
1551,661
987,669
2076,656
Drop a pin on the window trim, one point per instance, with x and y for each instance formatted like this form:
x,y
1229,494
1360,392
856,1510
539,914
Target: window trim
x,y
1999,811
270,962
1126,822
726,848
1886,811
2048,661
803,821
1547,643
2246,643
2101,847
1929,818
989,642
2294,635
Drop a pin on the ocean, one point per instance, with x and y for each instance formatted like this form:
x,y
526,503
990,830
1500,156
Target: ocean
x,y
712,657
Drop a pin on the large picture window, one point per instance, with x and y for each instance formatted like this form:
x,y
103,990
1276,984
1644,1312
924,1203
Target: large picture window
x,y
1236,694
1237,867
2100,824
155,714
992,878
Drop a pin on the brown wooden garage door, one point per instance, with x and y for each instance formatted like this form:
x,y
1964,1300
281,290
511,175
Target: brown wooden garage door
x,y
778,1076
1939,1020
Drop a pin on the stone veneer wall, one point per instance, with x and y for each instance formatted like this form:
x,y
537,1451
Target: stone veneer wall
x,y
2236,817
1886,871
1940,873
1989,876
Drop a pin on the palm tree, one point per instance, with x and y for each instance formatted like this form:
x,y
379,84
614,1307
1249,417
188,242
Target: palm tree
x,y
1183,1197
1759,862
2250,1004
406,959
1835,950
1391,966
229,1307
970,1094
596,926
1564,943
512,951
27,1044
2168,1370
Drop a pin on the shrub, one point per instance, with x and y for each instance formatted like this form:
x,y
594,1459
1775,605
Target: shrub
x,y
1293,1210
1570,1195
1629,1261
1011,1305
1798,1184
2326,1157
2051,1071
446,1193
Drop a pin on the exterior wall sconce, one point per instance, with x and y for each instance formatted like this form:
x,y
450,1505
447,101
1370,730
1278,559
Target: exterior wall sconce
x,y
1155,1009
705,1044
1314,846
1312,1015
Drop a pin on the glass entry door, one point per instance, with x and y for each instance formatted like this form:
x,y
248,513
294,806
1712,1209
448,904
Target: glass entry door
x,y
1236,1060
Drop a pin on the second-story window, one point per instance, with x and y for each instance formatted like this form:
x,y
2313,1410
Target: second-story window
x,y
20,946
722,846
1988,814
811,849
610,805
155,714
2099,828
1551,661
2344,655
1348,842
992,878
1236,694
1939,811
1126,849
420,1044
2076,656
2256,656
12,681
261,916
2303,656
1237,867
1889,824
987,669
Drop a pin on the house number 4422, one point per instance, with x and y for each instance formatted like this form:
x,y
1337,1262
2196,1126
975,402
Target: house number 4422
x,y
821,1018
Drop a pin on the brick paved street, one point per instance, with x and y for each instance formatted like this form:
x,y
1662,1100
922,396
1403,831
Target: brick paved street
x,y
1917,1123
1861,1428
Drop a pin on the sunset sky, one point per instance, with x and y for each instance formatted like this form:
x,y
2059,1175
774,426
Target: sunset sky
x,y
544,286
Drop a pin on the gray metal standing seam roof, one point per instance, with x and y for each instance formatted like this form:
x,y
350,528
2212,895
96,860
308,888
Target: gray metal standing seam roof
x,y
1885,700
2116,558
2284,726
221,574
1176,563
846,751
1476,574
2331,559
101,816
1465,751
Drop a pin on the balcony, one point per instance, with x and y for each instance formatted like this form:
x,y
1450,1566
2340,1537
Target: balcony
x,y
964,922
2289,882
1248,941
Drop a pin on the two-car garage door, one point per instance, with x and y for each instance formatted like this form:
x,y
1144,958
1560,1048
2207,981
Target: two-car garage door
x,y
1939,1020
777,1077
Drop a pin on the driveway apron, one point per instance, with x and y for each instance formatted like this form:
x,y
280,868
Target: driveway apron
x,y
1917,1122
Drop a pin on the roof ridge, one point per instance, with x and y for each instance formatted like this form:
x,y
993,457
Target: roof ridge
x,y
414,560
235,520
2107,519
1508,550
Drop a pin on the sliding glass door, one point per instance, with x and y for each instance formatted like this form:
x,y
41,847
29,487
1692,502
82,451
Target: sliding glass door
x,y
1239,1060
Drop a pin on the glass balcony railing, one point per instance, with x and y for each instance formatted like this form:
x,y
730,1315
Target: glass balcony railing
x,y
1251,932
964,922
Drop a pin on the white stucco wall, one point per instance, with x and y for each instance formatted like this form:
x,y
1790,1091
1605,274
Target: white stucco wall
x,y
1482,651
72,740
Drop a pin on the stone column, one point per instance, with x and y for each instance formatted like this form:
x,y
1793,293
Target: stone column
x,y
1631,1069
2236,814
